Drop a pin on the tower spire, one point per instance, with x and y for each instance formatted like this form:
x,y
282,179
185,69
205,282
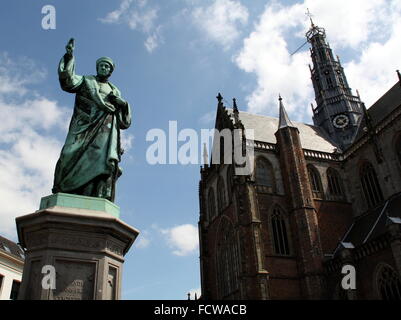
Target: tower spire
x,y
337,110
284,120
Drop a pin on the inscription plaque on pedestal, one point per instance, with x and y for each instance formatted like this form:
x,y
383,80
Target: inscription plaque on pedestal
x,y
77,282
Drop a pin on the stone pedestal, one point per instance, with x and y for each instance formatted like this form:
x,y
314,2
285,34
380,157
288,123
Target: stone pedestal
x,y
82,240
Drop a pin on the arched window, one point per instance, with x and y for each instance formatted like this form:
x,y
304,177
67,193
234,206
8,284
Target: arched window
x,y
388,283
211,204
335,186
370,185
316,184
280,235
221,195
329,82
264,176
227,260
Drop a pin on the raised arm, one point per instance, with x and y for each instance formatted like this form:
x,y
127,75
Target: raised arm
x,y
69,81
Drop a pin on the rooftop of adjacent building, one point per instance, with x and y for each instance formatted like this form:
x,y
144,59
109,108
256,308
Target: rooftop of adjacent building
x,y
373,223
11,248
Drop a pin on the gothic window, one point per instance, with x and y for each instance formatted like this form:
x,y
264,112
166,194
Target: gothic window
x,y
335,186
315,182
388,283
370,185
211,204
221,195
279,230
227,260
264,176
329,82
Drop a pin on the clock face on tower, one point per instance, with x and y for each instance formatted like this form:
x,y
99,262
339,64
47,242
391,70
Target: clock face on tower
x,y
340,121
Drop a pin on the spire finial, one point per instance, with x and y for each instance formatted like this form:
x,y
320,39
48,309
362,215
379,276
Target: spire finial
x,y
284,120
310,17
235,105
219,98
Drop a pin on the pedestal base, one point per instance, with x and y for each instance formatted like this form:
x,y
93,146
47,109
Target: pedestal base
x,y
85,247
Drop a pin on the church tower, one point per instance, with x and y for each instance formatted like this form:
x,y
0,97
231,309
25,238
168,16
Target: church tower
x,y
338,111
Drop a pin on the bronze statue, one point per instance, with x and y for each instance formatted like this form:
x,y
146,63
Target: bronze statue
x,y
88,163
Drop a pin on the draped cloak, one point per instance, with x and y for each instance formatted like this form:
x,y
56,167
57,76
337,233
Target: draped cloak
x,y
92,147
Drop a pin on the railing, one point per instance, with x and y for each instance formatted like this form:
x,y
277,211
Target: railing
x,y
322,155
261,145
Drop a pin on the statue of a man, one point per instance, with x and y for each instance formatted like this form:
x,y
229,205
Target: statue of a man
x,y
88,163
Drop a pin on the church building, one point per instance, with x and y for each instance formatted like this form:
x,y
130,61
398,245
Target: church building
x,y
321,199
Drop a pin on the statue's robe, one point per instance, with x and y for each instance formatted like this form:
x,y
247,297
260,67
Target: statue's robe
x,y
88,163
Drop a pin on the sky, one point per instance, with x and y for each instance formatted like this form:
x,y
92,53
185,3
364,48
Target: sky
x,y
172,58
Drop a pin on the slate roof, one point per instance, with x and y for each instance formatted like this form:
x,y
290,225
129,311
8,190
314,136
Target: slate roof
x,y
382,108
12,248
373,223
312,137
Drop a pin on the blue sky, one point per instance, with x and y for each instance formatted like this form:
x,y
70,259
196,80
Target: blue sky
x,y
172,58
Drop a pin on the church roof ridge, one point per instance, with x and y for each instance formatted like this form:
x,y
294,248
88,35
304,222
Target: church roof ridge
x,y
312,137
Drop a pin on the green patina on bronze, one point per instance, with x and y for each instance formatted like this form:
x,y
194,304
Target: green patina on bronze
x,y
79,202
88,163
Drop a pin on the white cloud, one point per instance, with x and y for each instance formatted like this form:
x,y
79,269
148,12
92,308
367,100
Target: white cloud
x,y
183,239
374,72
349,23
265,52
13,74
221,21
138,15
153,40
28,148
114,16
143,20
369,28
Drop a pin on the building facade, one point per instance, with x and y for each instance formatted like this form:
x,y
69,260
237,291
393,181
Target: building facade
x,y
11,266
320,197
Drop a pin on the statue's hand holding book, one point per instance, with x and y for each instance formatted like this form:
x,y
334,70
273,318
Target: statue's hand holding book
x,y
117,101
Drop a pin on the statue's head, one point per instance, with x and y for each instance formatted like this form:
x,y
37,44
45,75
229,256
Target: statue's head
x,y
104,67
